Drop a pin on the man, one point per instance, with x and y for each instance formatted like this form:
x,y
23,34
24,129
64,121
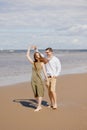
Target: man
x,y
53,68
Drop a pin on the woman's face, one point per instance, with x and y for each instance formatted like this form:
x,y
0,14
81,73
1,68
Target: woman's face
x,y
37,56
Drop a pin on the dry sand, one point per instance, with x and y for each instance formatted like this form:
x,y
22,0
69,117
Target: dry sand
x,y
17,106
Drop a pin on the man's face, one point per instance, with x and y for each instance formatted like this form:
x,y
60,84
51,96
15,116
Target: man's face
x,y
48,53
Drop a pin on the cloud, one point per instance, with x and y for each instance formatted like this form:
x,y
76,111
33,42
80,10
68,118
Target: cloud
x,y
43,21
75,41
39,13
78,27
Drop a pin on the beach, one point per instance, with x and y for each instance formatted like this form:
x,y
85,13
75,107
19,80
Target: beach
x,y
18,104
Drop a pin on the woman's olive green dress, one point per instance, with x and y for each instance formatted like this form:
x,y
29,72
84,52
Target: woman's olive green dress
x,y
36,80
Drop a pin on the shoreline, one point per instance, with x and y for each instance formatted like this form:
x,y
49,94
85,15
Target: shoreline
x,y
18,104
11,83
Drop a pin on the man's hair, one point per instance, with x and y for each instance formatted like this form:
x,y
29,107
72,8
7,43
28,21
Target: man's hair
x,y
49,48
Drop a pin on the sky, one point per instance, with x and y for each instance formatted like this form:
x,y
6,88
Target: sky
x,y
60,24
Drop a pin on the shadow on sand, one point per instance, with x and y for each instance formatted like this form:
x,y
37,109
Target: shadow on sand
x,y
31,103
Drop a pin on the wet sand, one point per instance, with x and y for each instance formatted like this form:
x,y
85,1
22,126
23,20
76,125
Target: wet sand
x,y
18,105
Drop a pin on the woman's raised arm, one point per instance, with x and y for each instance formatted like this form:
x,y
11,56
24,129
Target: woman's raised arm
x,y
28,56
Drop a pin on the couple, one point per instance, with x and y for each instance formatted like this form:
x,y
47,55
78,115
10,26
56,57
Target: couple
x,y
51,67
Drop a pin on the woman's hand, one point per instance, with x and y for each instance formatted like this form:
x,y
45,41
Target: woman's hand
x,y
34,47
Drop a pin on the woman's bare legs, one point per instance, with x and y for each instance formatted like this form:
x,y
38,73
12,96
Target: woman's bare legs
x,y
39,104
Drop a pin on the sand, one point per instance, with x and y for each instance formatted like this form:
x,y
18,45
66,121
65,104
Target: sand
x,y
17,106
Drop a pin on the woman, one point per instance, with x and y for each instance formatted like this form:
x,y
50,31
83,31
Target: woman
x,y
36,79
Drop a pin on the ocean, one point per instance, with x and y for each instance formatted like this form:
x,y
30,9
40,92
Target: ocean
x,y
15,68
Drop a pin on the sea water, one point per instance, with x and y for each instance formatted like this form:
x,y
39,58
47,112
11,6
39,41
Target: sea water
x,y
15,68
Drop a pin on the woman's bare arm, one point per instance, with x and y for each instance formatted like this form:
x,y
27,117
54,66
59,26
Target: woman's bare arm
x,y
44,71
28,56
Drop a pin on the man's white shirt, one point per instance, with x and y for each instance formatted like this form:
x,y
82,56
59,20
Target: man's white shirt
x,y
53,67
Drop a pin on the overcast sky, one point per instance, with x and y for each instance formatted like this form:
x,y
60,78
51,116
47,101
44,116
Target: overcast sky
x,y
60,24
